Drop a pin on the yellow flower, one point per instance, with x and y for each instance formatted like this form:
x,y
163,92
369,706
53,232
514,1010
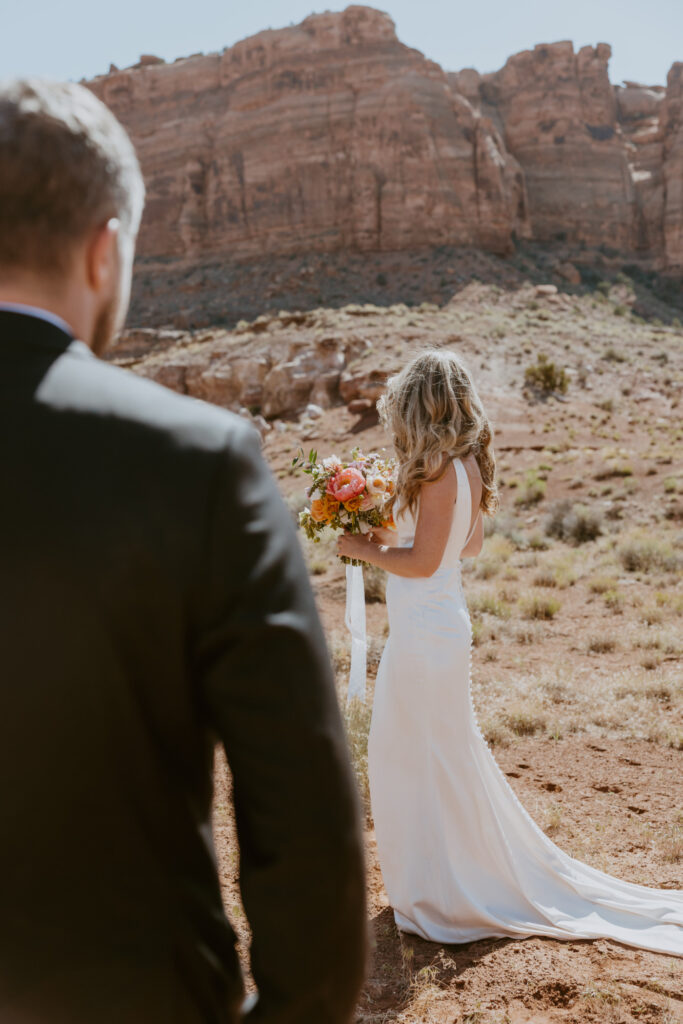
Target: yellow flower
x,y
353,504
323,510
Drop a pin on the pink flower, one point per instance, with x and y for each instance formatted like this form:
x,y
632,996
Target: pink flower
x,y
346,483
367,503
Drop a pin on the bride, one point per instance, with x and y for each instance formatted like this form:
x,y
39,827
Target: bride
x,y
460,856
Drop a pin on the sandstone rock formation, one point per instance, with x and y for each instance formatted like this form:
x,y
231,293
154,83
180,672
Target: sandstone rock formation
x,y
672,137
332,136
258,366
329,135
557,112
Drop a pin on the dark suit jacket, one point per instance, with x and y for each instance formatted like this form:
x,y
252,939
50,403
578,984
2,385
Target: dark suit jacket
x,y
154,600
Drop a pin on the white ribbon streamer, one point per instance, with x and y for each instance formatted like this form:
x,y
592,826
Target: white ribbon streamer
x,y
355,622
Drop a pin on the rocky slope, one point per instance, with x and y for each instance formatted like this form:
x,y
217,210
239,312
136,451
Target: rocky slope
x,y
334,137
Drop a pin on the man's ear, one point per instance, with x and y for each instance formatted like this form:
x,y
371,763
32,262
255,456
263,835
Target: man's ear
x,y
102,257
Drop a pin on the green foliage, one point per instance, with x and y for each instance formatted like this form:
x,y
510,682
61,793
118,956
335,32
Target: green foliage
x,y
545,376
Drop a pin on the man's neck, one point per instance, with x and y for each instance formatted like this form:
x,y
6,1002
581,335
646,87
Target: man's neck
x,y
53,301
40,313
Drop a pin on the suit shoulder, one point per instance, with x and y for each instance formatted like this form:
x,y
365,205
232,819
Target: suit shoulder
x,y
88,384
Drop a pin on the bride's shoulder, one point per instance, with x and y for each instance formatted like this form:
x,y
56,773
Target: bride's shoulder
x,y
441,484
471,466
441,473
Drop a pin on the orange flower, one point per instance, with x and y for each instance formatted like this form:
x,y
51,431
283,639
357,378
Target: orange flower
x,y
324,509
389,522
318,510
353,504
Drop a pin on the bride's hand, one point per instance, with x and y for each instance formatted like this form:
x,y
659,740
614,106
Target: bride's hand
x,y
383,535
353,545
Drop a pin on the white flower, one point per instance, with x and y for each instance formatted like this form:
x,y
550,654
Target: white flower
x,y
376,485
365,527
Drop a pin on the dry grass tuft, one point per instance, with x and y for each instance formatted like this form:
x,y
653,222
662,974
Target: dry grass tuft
x,y
672,843
357,716
601,644
539,606
489,604
523,722
600,584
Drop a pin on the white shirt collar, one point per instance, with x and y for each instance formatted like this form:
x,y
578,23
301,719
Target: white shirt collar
x,y
42,314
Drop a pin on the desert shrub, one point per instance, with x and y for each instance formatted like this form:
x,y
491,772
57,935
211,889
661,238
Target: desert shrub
x,y
648,554
601,644
524,723
538,606
607,405
506,526
527,633
601,584
545,376
495,733
532,491
498,546
614,600
558,573
486,568
612,469
573,523
672,843
545,577
496,552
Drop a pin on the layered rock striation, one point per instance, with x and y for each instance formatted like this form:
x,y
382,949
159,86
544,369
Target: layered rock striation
x,y
333,136
329,135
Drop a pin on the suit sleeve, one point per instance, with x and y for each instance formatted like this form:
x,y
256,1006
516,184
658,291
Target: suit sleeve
x,y
269,689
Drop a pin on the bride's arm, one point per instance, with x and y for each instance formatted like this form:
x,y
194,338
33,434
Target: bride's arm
x,y
437,501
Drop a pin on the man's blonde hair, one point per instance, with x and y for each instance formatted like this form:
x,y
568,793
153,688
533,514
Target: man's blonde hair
x,y
66,166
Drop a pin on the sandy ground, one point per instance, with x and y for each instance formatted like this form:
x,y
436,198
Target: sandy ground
x,y
618,800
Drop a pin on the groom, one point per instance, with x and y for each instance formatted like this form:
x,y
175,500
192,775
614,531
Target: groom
x,y
153,600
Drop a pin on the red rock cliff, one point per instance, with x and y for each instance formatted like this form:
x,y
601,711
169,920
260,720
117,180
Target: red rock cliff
x,y
334,137
325,136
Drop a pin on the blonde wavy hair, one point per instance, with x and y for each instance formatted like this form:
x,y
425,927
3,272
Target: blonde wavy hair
x,y
430,408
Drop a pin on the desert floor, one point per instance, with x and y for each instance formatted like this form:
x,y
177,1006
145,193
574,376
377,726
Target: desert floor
x,y
576,602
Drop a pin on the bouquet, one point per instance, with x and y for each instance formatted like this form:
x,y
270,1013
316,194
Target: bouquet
x,y
347,495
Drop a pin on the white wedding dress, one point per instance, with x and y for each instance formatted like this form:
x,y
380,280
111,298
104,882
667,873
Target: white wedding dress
x,y
460,856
